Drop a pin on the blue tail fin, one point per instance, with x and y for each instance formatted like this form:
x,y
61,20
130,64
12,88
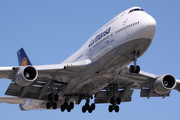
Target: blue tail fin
x,y
23,58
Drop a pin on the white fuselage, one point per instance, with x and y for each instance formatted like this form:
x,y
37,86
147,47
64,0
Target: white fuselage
x,y
109,49
124,28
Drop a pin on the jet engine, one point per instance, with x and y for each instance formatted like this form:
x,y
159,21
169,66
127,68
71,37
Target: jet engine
x,y
26,75
31,104
164,84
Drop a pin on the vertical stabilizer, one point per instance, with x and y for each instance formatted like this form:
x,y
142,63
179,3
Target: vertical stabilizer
x,y
23,58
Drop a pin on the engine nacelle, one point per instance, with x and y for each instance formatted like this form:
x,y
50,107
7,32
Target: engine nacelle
x,y
164,84
26,75
31,104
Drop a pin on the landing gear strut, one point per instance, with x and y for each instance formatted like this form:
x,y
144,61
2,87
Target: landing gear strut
x,y
134,68
52,98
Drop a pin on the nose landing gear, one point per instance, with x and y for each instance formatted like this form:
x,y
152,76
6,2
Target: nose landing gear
x,y
134,68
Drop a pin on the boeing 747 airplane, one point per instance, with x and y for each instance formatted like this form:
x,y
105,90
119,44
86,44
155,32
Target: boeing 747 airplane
x,y
98,70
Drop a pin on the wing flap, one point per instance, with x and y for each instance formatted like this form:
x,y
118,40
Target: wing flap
x,y
145,93
33,92
104,96
16,90
105,100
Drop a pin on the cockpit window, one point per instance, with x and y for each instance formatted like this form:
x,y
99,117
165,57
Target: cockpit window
x,y
136,9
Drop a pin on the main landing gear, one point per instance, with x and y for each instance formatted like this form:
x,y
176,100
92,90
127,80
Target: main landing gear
x,y
67,106
114,104
52,98
88,107
134,68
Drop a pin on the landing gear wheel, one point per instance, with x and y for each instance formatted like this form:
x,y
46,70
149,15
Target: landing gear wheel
x,y
137,70
72,105
87,106
112,101
48,105
118,100
54,105
116,108
62,108
69,109
110,108
65,105
83,109
90,110
131,69
93,106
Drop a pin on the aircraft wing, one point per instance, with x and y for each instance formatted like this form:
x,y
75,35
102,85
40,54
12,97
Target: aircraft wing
x,y
7,72
146,81
177,85
59,74
151,85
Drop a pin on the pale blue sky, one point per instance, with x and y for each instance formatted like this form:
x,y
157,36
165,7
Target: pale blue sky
x,y
50,31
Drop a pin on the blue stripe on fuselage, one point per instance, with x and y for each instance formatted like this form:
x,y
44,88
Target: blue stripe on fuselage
x,y
99,36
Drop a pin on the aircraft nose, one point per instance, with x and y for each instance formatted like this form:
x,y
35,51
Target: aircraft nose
x,y
149,23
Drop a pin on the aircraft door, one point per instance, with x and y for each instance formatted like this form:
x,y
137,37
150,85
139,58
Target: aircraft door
x,y
121,31
90,52
125,29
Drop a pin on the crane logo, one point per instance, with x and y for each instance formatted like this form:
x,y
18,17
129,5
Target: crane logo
x,y
24,62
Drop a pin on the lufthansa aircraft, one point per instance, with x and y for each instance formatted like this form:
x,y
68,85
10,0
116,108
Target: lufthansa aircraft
x,y
99,70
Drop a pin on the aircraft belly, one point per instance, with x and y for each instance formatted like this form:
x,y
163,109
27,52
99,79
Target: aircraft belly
x,y
121,55
117,58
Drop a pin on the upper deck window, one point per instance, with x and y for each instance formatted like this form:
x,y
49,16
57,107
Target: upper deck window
x,y
136,9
